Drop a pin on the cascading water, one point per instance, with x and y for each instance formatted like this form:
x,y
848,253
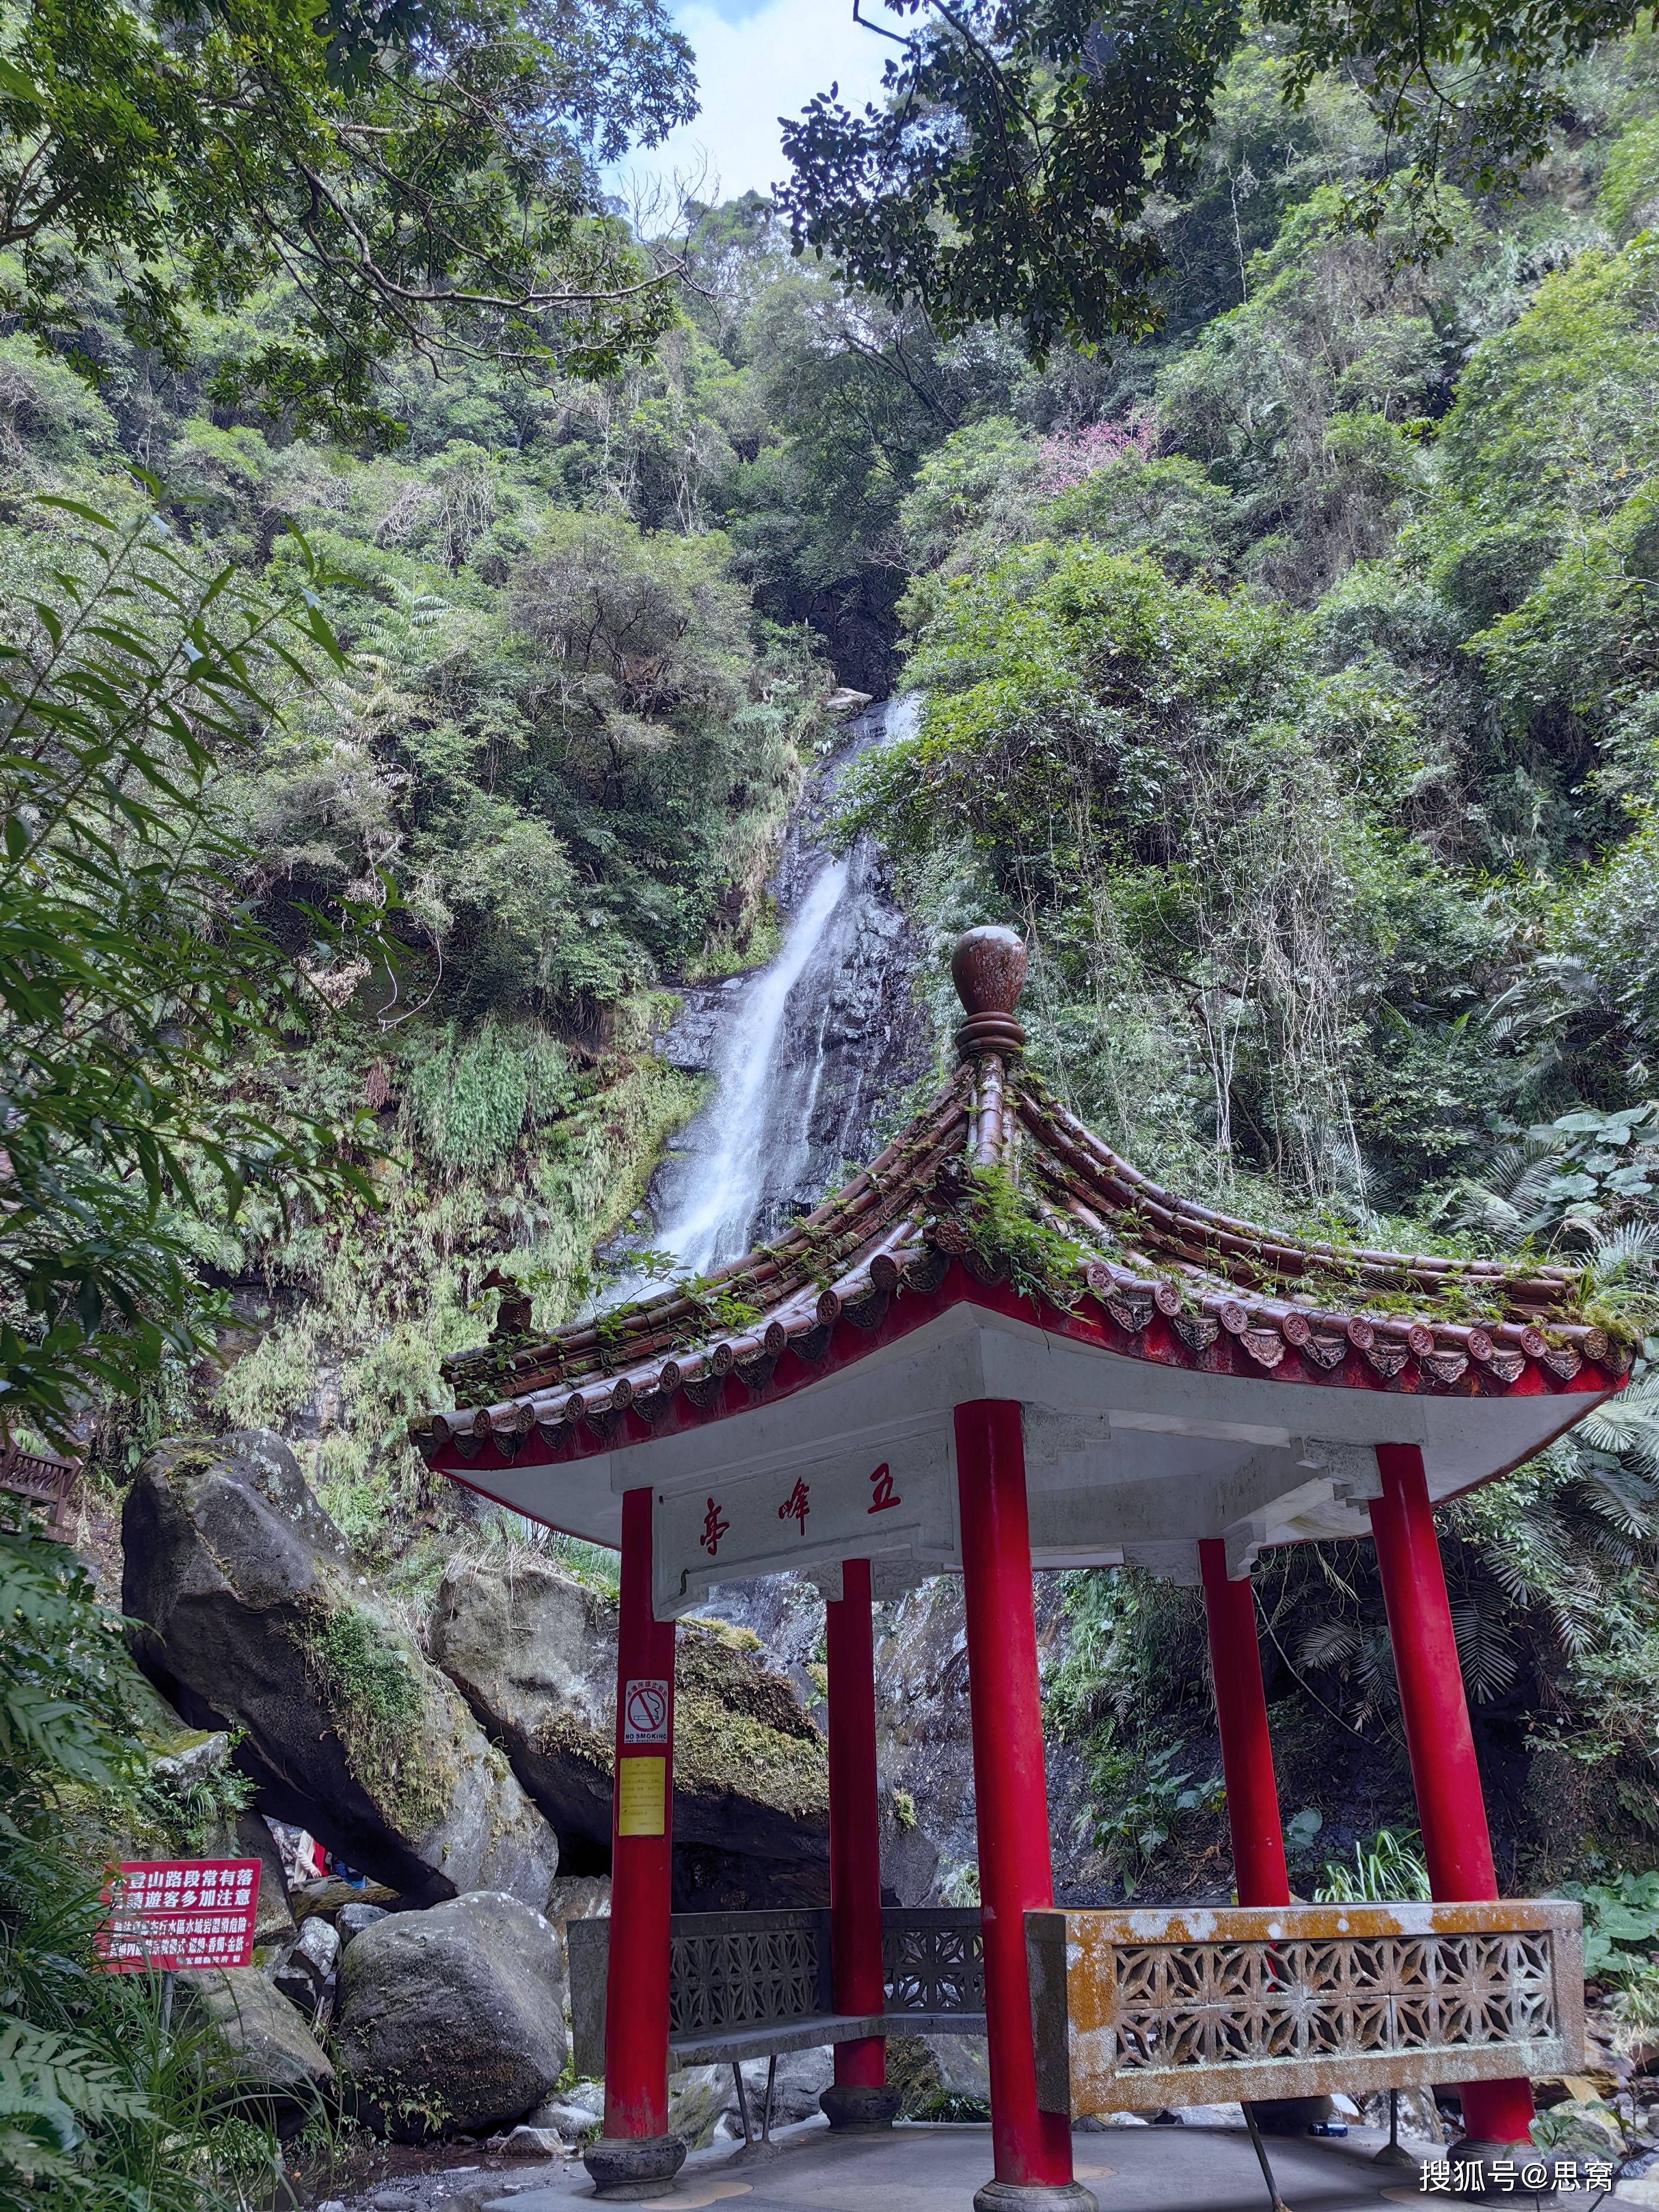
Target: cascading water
x,y
804,1051
725,1189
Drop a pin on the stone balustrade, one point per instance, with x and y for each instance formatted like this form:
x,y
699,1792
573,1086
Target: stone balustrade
x,y
1137,2010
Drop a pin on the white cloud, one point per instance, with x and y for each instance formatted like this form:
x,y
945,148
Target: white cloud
x,y
750,73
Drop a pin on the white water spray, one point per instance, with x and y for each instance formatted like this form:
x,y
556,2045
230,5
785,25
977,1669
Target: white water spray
x,y
711,1224
803,1053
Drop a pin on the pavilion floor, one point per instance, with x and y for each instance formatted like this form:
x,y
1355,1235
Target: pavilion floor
x,y
937,2168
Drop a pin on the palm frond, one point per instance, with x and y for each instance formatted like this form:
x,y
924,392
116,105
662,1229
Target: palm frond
x,y
1626,1425
1623,1496
1329,1642
1486,1649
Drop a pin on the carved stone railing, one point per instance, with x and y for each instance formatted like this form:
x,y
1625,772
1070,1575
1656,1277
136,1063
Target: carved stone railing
x,y
934,1962
1139,2010
729,1970
749,1984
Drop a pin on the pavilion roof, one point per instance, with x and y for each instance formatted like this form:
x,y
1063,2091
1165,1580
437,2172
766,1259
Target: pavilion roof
x,y
995,1194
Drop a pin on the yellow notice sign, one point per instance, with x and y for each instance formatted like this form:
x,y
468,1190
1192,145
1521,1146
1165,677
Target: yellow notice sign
x,y
640,1797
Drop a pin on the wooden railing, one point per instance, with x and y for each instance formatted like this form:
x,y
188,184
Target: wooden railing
x,y
42,1479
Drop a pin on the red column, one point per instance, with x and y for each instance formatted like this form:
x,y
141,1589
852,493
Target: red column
x,y
1450,1807
1010,1791
855,1844
636,2147
1247,1752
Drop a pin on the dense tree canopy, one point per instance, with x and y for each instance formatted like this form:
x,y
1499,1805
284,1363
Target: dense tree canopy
x,y
419,177
1015,165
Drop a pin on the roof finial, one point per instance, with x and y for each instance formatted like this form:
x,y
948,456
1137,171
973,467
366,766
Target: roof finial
x,y
988,969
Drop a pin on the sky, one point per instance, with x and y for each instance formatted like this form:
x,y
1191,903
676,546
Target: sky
x,y
758,59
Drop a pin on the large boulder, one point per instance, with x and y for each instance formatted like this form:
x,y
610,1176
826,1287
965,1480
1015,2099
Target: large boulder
x,y
930,1843
526,1646
451,2020
272,2064
251,1616
534,1652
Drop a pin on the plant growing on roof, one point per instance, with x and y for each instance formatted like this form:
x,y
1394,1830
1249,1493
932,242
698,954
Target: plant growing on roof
x,y
1003,1228
716,1306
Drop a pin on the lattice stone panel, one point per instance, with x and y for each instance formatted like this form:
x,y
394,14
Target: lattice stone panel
x,y
1138,2009
747,1969
934,1960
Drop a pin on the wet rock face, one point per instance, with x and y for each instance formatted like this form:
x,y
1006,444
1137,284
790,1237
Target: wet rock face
x,y
692,1042
851,1040
454,2019
924,1742
534,1652
252,1618
925,1747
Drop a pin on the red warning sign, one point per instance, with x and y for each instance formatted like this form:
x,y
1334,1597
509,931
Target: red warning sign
x,y
166,1914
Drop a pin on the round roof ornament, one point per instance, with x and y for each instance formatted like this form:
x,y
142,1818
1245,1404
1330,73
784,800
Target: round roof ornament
x,y
988,969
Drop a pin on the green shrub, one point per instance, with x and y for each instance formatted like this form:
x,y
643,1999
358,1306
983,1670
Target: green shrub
x,y
1388,1867
1621,1925
470,1103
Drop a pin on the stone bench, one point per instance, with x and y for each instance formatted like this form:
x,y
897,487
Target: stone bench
x,y
754,1985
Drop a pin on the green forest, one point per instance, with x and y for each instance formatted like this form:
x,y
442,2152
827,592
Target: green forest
x,y
408,668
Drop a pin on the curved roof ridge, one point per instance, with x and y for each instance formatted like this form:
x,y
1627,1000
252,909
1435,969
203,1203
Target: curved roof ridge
x,y
1051,1116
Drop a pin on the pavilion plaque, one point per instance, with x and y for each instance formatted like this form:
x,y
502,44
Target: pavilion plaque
x,y
897,1501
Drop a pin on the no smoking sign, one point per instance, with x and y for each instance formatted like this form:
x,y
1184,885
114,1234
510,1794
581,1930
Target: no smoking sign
x,y
644,1713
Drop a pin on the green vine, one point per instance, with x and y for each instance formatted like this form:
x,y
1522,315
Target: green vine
x,y
1005,1230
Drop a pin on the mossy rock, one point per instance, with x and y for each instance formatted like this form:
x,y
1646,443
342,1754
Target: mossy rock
x,y
535,1652
251,1620
739,1731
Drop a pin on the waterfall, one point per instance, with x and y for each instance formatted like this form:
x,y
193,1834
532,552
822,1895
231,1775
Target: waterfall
x,y
804,1051
724,1193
